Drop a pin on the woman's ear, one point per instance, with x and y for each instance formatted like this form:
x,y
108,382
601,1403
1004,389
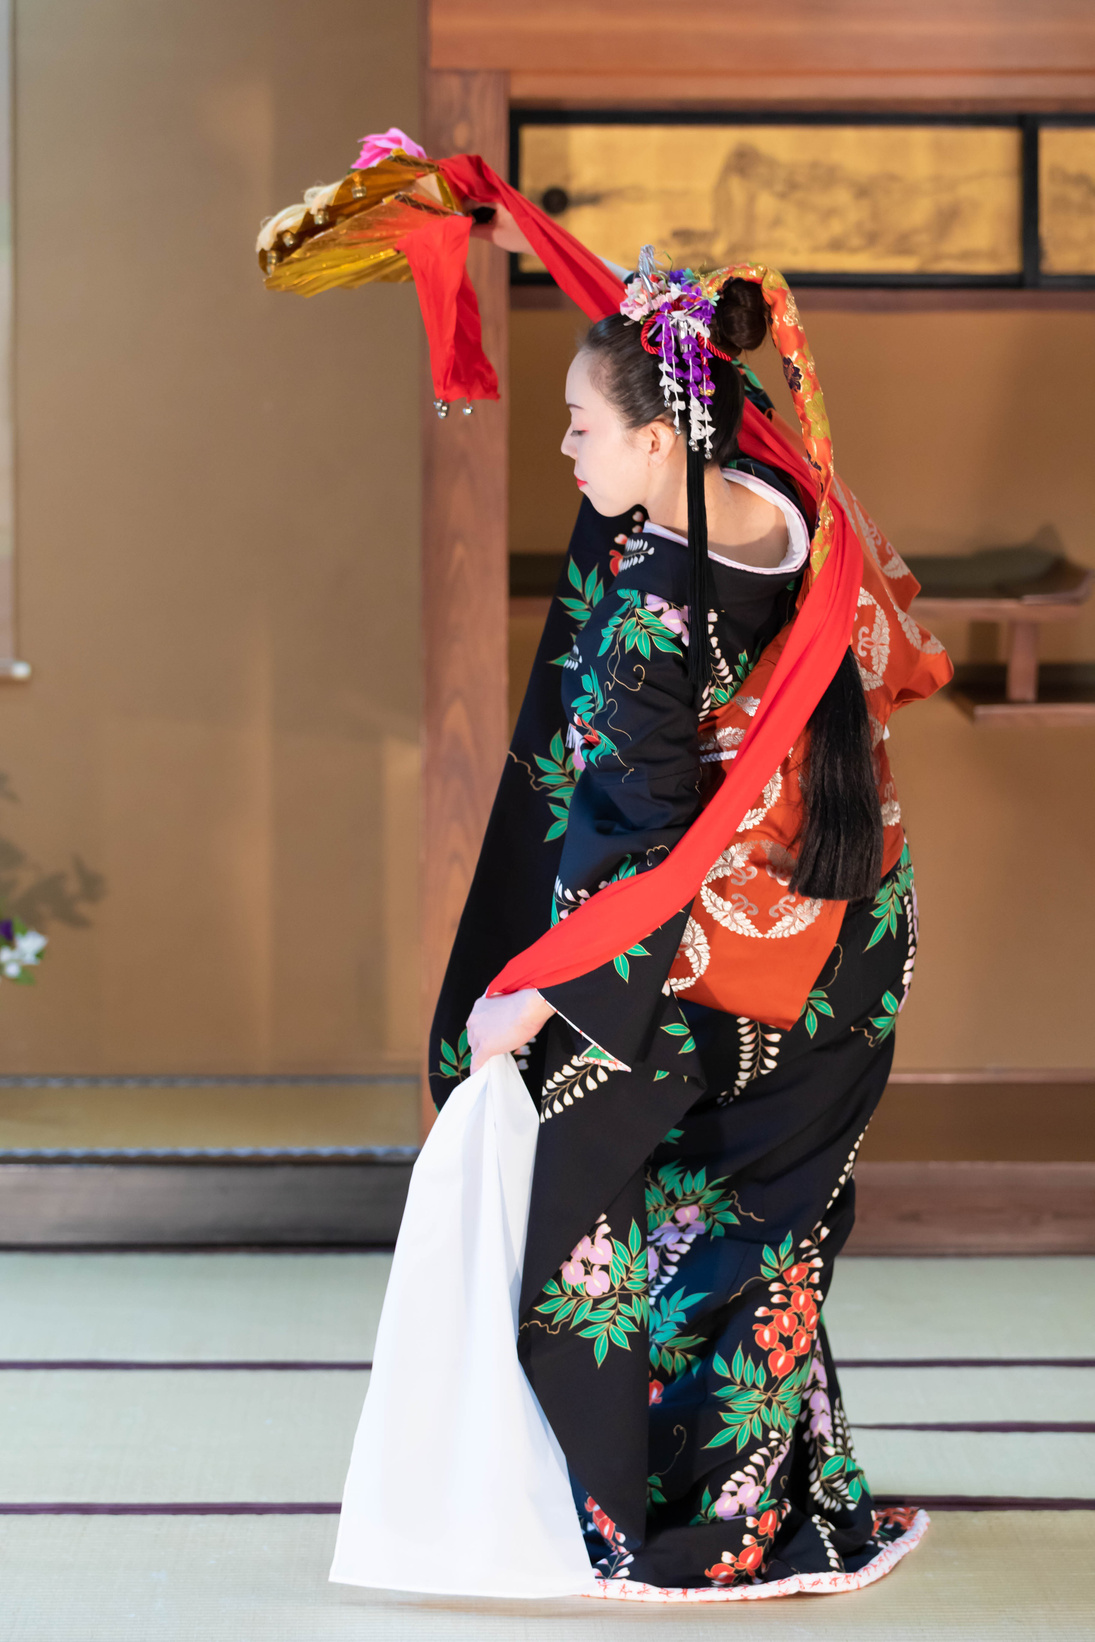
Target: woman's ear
x,y
658,442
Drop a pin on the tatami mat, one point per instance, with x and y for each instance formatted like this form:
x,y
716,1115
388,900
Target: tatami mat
x,y
168,1436
977,1578
135,1436
285,1436
962,1308
1001,1465
282,1436
912,1396
180,1307
325,1306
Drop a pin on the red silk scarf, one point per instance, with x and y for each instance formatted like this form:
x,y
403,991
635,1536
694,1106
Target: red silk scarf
x,y
625,913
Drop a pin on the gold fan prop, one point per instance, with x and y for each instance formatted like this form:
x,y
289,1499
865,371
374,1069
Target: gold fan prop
x,y
344,234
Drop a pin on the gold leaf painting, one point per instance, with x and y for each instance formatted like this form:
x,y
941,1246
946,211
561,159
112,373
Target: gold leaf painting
x,y
1066,198
855,199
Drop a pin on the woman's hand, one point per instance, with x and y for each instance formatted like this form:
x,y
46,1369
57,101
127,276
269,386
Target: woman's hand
x,y
498,1026
501,230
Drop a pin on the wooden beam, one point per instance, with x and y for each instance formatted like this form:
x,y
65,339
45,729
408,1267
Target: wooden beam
x,y
598,52
1050,91
464,563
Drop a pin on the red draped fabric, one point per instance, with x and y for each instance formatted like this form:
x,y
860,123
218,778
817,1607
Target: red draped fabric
x,y
624,913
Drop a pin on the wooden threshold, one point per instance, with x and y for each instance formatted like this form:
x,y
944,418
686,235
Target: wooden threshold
x,y
150,1203
902,1208
974,1209
999,1074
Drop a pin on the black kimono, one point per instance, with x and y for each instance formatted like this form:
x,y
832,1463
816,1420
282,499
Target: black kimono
x,y
693,1177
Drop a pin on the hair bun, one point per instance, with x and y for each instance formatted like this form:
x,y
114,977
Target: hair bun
x,y
740,321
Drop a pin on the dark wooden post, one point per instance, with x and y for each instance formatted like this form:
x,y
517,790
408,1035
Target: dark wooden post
x,y
464,563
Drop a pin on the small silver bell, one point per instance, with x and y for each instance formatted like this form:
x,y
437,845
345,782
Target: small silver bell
x,y
441,407
468,408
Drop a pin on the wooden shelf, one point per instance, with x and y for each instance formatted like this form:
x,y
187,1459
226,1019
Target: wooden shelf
x,y
1020,588
1065,695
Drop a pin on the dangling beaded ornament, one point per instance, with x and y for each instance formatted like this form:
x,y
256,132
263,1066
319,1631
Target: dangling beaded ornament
x,y
675,310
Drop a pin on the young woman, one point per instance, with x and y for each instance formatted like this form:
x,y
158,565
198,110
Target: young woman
x,y
704,1093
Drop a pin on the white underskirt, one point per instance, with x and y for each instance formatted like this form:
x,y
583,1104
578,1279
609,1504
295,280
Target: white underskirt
x,y
457,1484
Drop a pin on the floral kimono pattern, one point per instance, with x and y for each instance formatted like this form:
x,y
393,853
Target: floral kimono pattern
x,y
693,1178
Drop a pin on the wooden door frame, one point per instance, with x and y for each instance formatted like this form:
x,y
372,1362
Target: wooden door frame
x,y
465,564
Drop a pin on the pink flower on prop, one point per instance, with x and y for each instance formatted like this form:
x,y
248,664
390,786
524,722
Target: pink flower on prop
x,y
380,144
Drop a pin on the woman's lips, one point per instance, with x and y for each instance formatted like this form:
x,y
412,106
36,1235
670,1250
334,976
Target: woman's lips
x,y
581,483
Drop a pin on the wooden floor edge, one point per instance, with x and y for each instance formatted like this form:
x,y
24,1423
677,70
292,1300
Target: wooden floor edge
x,y
901,1208
974,1209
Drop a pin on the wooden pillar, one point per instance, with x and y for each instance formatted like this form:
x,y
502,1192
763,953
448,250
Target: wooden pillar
x,y
464,562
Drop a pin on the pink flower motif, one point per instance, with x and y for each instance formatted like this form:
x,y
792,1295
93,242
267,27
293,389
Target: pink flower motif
x,y
672,616
379,145
585,1268
738,1495
821,1414
637,304
689,1214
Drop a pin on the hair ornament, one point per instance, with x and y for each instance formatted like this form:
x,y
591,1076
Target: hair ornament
x,y
675,308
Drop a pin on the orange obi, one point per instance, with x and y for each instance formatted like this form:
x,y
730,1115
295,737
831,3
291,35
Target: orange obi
x,y
753,947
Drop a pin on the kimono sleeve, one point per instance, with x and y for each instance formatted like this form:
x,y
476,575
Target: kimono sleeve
x,y
633,732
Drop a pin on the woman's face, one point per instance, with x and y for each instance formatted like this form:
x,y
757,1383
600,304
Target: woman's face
x,y
614,466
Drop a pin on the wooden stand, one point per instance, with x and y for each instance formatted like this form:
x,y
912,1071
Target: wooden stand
x,y
1018,692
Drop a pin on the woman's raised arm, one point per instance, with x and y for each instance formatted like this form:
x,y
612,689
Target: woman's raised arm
x,y
501,229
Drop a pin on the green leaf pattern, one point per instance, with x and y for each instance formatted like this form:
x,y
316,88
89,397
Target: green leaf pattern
x,y
635,627
455,1063
889,899
558,778
601,1291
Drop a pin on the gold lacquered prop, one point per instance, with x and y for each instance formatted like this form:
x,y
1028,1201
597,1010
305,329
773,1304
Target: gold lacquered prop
x,y
345,234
